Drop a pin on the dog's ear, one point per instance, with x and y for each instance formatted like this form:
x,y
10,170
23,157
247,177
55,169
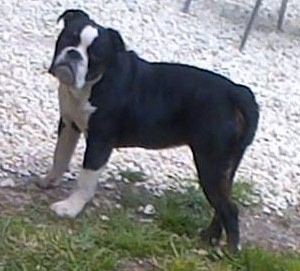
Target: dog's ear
x,y
72,14
117,40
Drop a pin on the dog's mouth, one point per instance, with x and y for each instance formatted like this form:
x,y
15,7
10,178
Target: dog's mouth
x,y
64,73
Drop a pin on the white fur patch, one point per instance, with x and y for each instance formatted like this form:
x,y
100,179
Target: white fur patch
x,y
87,36
86,187
82,66
75,106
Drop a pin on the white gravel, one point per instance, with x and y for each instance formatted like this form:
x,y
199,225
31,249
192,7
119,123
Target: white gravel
x,y
208,37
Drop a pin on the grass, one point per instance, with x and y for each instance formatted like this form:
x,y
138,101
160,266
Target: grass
x,y
37,240
133,176
258,259
183,214
242,193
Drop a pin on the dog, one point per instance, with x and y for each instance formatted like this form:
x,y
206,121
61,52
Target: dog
x,y
117,99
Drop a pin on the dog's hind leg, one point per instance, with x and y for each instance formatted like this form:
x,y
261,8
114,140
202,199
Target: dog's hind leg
x,y
216,173
213,233
68,135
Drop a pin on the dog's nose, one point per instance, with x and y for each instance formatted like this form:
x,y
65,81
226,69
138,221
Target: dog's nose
x,y
74,55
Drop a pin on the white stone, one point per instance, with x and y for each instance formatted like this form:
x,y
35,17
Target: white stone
x,y
69,175
7,183
104,218
140,209
109,186
267,210
149,210
118,206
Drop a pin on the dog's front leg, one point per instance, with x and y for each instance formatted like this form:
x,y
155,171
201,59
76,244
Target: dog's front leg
x,y
68,135
96,155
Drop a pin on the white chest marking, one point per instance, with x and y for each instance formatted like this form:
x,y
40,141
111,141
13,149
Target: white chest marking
x,y
75,106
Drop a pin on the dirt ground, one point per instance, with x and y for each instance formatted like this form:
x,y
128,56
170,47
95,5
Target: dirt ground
x,y
257,228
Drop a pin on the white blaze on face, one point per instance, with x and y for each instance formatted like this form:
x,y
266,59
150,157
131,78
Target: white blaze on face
x,y
87,36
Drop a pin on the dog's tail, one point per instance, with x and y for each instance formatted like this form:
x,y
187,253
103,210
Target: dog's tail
x,y
244,99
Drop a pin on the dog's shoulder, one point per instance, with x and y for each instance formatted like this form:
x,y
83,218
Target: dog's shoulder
x,y
124,68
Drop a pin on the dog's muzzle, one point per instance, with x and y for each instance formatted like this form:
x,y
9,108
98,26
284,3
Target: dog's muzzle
x,y
64,73
65,70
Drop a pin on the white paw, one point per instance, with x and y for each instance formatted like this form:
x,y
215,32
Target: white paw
x,y
67,208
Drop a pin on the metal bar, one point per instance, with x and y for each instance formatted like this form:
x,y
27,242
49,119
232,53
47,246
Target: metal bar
x,y
186,6
248,28
281,14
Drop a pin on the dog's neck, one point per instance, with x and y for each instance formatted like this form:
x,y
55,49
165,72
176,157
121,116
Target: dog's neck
x,y
81,94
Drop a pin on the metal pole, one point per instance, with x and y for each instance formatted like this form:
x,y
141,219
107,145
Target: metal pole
x,y
186,6
281,14
248,28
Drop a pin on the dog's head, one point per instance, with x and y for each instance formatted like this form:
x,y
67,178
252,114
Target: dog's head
x,y
83,49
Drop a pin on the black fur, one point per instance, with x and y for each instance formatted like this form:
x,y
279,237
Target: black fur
x,y
158,105
72,14
60,127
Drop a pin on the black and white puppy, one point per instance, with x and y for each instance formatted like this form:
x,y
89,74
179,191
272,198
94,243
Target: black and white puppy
x,y
117,99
